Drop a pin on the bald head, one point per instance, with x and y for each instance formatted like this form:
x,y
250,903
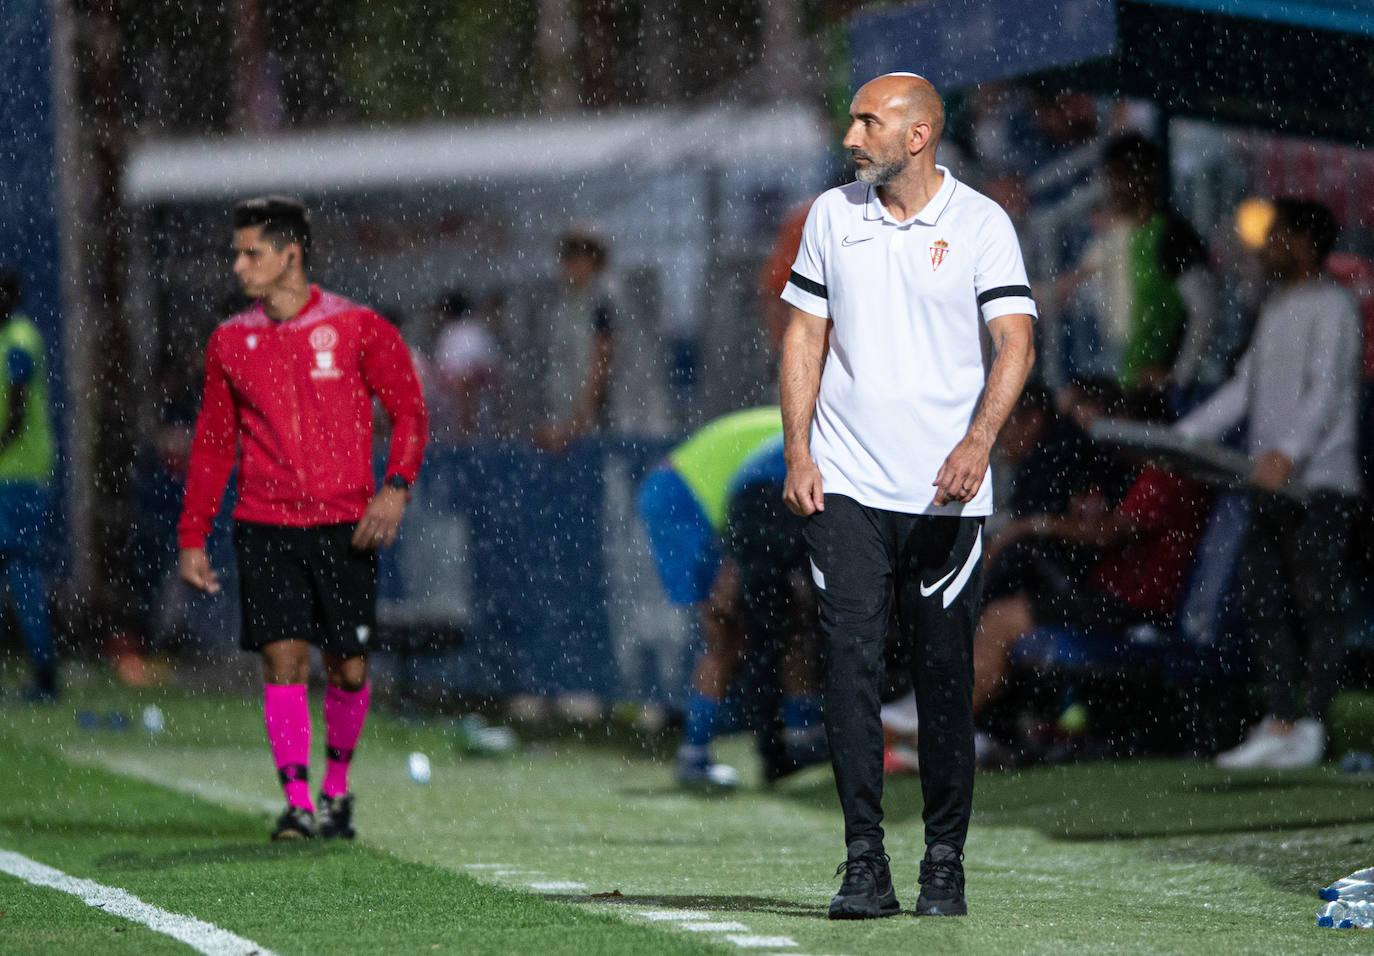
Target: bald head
x,y
909,96
895,124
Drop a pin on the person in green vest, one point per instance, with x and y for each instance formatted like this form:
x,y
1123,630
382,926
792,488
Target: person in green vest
x,y
26,461
1169,308
724,544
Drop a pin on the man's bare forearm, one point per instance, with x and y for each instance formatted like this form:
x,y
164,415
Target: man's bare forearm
x,y
1011,366
803,350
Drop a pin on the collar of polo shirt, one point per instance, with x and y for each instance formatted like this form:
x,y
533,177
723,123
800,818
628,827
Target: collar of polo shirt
x,y
874,210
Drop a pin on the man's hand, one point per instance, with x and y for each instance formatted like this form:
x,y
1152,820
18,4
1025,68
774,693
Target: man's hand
x,y
1271,471
962,474
802,492
378,526
193,565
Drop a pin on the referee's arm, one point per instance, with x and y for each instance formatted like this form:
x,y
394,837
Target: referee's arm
x,y
803,353
963,471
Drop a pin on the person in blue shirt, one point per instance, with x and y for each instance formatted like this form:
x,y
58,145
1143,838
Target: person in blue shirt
x,y
26,462
724,544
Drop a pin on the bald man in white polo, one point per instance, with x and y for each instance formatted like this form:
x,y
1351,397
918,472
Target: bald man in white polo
x,y
905,282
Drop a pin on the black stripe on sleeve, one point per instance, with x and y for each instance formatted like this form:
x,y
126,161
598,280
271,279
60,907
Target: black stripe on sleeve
x,y
808,285
1001,292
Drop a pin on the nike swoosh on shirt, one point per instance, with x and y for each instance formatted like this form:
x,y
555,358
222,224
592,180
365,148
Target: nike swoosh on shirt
x,y
928,591
846,241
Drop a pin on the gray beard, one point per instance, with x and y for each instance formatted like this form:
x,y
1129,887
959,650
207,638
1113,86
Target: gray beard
x,y
879,174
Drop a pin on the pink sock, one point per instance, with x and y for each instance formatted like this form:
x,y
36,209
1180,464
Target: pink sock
x,y
287,715
344,714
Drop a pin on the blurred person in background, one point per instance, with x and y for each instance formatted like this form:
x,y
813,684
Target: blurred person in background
x,y
579,346
772,275
1297,386
470,369
724,545
288,399
160,622
1051,462
1158,308
567,665
26,462
1141,550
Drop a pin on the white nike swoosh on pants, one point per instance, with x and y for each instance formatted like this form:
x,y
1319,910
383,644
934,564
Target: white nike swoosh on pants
x,y
927,591
975,554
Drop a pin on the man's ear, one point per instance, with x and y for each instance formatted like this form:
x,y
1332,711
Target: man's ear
x,y
918,135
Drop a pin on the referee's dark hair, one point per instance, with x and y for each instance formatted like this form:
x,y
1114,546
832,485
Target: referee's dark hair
x,y
1311,220
283,220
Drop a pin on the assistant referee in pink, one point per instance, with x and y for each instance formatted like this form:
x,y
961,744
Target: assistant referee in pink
x,y
890,411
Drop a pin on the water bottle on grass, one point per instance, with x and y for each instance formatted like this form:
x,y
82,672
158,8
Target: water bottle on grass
x,y
1343,914
1357,886
1359,914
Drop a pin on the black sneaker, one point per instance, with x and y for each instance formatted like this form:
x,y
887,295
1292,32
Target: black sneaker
x,y
336,817
295,823
942,883
866,892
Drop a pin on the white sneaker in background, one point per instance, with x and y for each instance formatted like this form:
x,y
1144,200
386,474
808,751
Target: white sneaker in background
x,y
1306,745
527,707
1261,745
696,771
582,707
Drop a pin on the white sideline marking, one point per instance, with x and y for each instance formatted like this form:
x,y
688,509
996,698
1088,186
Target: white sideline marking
x,y
694,920
201,936
715,927
761,942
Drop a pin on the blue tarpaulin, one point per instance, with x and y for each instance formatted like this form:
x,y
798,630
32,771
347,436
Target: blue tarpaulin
x,y
1299,67
1343,16
960,43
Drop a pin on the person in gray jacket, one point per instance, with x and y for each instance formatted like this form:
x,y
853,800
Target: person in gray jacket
x,y
1298,386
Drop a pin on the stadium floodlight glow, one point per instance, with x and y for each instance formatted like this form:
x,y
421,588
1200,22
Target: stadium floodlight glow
x,y
1254,217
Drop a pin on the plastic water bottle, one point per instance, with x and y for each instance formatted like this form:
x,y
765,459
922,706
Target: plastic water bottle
x,y
1357,886
1330,914
1359,914
1350,892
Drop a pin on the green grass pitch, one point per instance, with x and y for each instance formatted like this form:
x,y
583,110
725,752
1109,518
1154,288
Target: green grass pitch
x,y
579,843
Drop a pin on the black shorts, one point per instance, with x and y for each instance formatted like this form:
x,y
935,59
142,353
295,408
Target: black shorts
x,y
306,584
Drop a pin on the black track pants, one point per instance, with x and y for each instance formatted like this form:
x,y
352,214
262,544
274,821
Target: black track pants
x,y
866,563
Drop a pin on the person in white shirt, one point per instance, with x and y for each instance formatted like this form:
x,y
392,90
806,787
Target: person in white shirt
x,y
904,280
1297,386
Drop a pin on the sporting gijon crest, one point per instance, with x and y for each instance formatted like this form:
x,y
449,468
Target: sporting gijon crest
x,y
938,250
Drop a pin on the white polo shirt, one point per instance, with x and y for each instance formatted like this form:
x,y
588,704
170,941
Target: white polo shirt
x,y
905,369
